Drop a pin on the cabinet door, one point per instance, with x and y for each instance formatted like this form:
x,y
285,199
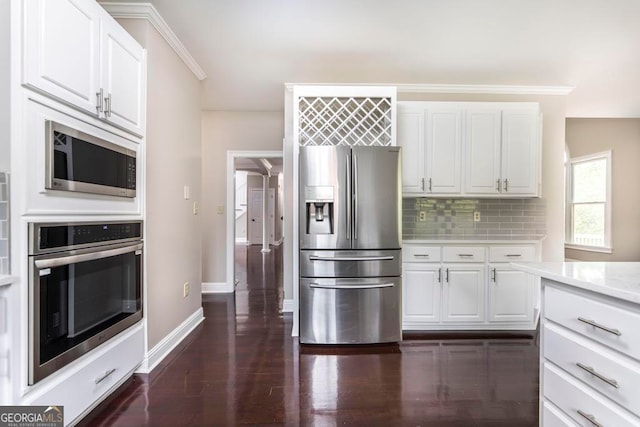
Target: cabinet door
x,y
411,139
464,293
421,292
520,152
122,77
61,50
444,151
482,152
510,294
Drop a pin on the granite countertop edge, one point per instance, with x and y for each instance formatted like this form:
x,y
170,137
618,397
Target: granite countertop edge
x,y
619,280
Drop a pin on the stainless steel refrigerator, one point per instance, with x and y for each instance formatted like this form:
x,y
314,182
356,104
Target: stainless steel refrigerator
x,y
350,244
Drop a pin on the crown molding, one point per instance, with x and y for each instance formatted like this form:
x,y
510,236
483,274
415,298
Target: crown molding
x,y
458,88
148,12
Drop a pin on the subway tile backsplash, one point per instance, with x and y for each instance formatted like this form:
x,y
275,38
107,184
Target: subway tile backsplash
x,y
453,219
4,223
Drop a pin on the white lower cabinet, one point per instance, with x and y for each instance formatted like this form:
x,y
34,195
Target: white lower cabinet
x,y
80,386
464,293
467,287
589,375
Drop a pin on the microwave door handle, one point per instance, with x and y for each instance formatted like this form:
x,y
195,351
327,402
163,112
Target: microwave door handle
x,y
91,256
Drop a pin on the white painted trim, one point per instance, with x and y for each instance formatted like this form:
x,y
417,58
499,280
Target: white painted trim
x,y
231,203
242,241
288,306
169,342
217,288
148,11
459,88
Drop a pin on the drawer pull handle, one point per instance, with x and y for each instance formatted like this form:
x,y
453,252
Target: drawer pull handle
x,y
465,255
421,255
589,418
513,255
599,326
105,376
589,369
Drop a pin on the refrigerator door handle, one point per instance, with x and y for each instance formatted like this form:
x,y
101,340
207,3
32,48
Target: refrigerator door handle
x,y
355,197
351,258
348,181
354,286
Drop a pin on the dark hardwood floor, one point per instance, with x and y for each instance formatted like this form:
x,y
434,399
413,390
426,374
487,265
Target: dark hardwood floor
x,y
242,367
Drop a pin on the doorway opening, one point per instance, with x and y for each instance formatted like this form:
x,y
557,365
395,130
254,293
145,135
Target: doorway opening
x,y
255,206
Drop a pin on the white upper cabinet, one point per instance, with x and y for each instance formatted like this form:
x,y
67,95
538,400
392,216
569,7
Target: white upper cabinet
x,y
76,52
411,138
463,148
62,48
520,152
482,154
444,150
122,77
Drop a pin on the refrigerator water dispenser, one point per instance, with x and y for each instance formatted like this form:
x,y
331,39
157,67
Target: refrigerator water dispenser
x,y
319,209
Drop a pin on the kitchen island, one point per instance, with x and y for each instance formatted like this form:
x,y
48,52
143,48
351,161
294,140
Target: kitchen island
x,y
590,342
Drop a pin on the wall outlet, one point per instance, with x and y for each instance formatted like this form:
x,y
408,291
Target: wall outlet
x,y
186,288
476,216
195,208
422,216
220,210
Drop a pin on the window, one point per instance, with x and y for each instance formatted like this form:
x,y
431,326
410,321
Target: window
x,y
589,202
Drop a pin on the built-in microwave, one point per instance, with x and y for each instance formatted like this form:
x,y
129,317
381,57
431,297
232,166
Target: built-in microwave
x,y
76,161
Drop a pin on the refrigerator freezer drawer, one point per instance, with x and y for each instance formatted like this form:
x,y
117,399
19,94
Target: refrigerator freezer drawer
x,y
350,310
351,263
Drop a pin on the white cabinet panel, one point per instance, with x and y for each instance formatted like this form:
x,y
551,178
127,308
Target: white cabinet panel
x,y
520,152
411,139
510,294
122,77
482,151
464,293
421,292
444,150
62,50
420,253
463,253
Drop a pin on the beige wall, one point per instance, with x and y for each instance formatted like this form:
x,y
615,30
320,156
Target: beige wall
x,y
622,137
553,111
5,139
173,160
223,131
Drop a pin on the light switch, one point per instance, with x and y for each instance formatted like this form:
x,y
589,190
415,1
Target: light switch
x,y
186,192
220,210
195,208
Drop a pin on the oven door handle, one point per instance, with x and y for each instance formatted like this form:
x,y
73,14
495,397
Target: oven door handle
x,y
91,256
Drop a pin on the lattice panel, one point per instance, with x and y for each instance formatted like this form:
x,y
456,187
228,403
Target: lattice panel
x,y
344,121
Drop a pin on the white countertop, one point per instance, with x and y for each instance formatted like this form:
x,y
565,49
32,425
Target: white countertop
x,y
467,242
616,279
6,280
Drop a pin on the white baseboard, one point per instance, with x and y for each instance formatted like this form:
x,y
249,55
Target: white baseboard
x,y
287,306
241,241
168,343
217,288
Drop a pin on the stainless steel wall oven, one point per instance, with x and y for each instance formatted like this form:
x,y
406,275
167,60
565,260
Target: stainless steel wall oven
x,y
85,287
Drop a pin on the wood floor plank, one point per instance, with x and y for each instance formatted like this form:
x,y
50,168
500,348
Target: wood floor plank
x,y
242,367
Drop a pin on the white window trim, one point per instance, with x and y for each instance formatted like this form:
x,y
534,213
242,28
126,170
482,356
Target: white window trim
x,y
608,246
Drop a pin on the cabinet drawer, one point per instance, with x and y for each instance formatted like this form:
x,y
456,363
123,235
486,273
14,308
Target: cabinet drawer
x,y
463,253
421,254
511,253
616,327
612,375
580,402
77,387
553,417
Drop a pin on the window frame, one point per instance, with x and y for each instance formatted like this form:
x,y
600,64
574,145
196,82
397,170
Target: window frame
x,y
569,244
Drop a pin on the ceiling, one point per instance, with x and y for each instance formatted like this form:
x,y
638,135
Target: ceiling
x,y
250,48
